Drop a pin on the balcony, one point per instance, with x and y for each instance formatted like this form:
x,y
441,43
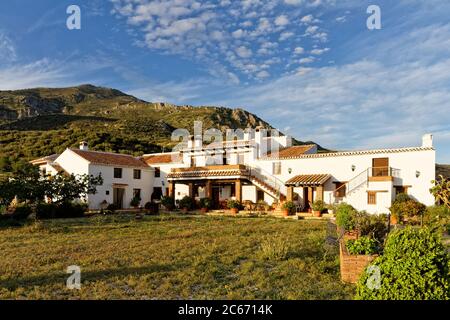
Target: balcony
x,y
383,173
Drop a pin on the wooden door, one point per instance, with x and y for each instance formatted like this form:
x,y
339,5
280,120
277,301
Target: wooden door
x,y
380,167
118,194
216,197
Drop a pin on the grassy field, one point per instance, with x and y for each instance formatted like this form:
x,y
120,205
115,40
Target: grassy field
x,y
171,257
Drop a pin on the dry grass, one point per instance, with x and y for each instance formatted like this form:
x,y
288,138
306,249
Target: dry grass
x,y
170,257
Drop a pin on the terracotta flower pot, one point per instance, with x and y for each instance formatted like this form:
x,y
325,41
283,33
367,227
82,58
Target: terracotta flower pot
x,y
204,210
285,213
234,210
394,220
317,213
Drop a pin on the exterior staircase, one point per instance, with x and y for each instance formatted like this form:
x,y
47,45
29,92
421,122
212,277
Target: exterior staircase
x,y
267,183
362,179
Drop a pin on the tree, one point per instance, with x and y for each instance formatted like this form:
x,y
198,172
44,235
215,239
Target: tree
x,y
441,190
66,188
27,184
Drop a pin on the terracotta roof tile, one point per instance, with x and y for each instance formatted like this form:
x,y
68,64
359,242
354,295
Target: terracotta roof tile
x,y
110,159
290,152
162,158
308,179
47,159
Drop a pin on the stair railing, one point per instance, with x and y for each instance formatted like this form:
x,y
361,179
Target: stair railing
x,y
267,178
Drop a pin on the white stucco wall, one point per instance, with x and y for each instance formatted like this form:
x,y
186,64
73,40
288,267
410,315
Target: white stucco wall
x,y
340,168
107,172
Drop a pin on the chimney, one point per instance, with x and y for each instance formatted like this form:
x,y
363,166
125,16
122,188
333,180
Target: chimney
x,y
84,146
261,143
427,140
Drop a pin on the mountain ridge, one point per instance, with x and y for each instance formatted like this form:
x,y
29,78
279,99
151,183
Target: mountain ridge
x,y
36,122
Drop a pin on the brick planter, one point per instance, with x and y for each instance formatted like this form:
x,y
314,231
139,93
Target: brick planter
x,y
352,266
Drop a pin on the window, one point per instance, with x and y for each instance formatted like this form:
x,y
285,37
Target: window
x,y
137,193
276,168
137,174
341,189
118,173
401,189
107,192
193,163
371,197
157,172
224,159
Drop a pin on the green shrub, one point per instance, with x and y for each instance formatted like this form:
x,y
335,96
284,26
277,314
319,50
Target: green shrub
x,y
319,205
168,202
205,203
46,211
402,197
111,207
363,245
411,209
71,210
414,266
21,212
187,203
135,202
346,217
289,206
372,225
438,216
233,204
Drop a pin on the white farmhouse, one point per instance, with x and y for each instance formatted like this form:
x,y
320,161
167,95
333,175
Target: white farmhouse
x,y
256,167
124,176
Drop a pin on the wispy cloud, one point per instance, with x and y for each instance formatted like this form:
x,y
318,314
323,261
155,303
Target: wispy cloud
x,y
7,49
364,104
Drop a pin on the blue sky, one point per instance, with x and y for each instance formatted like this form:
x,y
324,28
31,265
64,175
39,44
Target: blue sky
x,y
309,67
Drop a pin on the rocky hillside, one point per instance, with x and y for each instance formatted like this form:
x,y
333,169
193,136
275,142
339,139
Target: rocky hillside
x,y
41,121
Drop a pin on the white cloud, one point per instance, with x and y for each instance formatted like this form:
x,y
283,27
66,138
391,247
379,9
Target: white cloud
x,y
282,20
307,19
7,49
244,52
306,60
293,2
286,35
299,50
318,52
263,74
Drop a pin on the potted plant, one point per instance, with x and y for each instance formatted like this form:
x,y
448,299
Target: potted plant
x,y
135,202
205,204
234,206
168,203
318,206
186,204
288,208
